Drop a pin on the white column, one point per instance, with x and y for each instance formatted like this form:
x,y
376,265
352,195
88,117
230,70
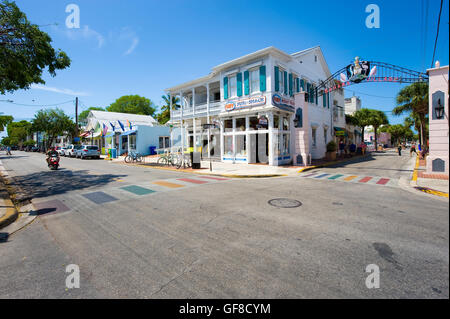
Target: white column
x,y
209,120
247,137
181,123
271,150
171,119
221,139
233,121
194,127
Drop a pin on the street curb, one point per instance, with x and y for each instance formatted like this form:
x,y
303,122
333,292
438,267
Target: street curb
x,y
210,174
431,191
414,176
10,216
330,163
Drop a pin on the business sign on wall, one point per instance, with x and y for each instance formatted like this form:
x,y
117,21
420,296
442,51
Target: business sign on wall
x,y
283,103
241,104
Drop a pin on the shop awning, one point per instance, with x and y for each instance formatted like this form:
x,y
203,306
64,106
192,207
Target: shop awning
x,y
128,132
110,134
336,129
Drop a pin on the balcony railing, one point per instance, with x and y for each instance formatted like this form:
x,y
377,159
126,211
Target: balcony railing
x,y
201,109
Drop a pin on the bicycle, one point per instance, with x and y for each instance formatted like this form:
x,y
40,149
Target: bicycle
x,y
167,159
184,160
134,157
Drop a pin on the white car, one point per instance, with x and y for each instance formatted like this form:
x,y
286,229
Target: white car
x,y
71,150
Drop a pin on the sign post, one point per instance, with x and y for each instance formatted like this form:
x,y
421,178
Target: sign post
x,y
208,127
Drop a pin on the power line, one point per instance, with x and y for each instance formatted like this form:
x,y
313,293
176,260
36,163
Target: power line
x,y
382,97
39,105
437,32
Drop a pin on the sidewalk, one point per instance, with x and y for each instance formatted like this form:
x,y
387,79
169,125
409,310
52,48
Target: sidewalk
x,y
8,213
436,184
240,170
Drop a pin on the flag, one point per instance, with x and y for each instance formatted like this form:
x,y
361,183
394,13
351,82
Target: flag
x,y
112,126
373,71
129,125
105,129
121,126
343,77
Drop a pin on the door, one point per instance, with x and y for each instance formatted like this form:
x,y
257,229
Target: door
x,y
262,148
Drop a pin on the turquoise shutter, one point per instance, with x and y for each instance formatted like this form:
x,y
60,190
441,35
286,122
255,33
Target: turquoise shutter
x,y
291,90
277,79
285,83
239,84
225,88
246,84
316,96
308,89
302,84
328,100
297,80
262,78
324,96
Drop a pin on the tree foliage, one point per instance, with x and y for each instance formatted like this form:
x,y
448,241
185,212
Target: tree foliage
x,y
5,120
25,51
376,119
53,123
82,117
19,131
164,116
133,104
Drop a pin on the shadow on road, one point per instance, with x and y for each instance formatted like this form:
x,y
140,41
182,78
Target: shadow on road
x,y
49,183
3,237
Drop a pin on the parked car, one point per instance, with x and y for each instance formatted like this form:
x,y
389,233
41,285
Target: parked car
x,y
91,151
71,150
34,149
64,151
60,151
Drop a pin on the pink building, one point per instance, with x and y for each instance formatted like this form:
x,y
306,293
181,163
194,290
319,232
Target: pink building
x,y
437,161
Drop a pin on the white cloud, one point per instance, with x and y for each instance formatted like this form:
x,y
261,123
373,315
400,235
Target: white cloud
x,y
84,33
127,34
56,90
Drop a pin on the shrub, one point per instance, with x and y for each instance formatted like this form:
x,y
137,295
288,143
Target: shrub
x,y
331,146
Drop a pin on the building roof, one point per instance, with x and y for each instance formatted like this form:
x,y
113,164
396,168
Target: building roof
x,y
96,118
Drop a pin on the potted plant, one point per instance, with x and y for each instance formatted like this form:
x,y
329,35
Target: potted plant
x,y
331,151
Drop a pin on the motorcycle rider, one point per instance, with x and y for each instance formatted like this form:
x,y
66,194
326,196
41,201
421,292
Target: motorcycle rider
x,y
52,153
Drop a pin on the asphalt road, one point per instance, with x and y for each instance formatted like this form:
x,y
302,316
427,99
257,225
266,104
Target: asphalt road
x,y
221,238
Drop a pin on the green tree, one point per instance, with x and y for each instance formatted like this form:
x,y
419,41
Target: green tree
x,y
164,116
397,132
19,131
53,123
362,117
413,99
4,121
25,51
82,117
376,119
10,141
133,104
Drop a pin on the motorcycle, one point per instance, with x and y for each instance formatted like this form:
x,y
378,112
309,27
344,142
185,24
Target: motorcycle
x,y
53,162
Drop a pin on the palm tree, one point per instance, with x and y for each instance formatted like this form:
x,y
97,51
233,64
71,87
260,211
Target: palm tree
x,y
414,99
164,116
376,119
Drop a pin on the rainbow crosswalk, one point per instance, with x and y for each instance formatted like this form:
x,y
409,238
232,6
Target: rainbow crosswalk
x,y
350,178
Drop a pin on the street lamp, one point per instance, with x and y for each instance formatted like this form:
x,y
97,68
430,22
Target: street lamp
x,y
439,110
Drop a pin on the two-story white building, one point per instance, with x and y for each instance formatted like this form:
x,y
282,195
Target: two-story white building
x,y
264,108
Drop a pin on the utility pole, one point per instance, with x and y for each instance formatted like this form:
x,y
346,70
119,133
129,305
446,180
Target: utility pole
x,y
76,115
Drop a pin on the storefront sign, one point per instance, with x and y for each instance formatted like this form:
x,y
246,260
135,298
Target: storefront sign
x,y
283,103
241,104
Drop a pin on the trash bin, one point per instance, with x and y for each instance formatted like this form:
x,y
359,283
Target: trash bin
x,y
152,150
113,153
195,160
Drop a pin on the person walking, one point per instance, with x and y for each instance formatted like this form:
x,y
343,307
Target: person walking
x,y
412,149
341,147
8,150
399,147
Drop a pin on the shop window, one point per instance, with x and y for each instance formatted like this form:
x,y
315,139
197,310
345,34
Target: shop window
x,y
254,81
233,87
253,123
276,145
286,140
133,141
228,126
240,124
276,122
285,124
164,142
216,97
241,149
314,140
228,147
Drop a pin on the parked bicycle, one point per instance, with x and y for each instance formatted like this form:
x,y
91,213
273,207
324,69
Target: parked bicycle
x,y
168,159
134,157
184,160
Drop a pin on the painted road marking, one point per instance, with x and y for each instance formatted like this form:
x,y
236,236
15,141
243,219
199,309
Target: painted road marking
x,y
99,197
335,176
138,190
365,179
383,181
168,184
349,178
323,175
310,175
50,207
214,178
193,181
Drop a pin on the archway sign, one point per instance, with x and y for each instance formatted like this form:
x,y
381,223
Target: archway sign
x,y
366,72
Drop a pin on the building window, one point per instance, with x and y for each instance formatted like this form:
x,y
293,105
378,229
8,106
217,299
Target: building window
x,y
164,142
254,81
276,122
228,125
253,123
286,141
314,140
241,149
233,87
281,80
228,147
285,123
240,124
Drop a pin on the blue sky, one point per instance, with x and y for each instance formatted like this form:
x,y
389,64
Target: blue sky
x,y
144,46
